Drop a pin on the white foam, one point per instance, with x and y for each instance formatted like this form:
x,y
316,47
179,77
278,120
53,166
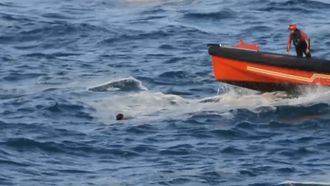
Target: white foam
x,y
148,105
143,2
315,180
129,83
293,183
138,105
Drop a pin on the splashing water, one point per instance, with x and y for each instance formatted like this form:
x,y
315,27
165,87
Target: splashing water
x,y
156,105
125,84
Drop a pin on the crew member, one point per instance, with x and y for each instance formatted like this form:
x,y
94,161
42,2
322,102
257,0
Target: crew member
x,y
300,40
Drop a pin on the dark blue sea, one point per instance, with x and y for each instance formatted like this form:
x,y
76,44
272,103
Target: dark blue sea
x,y
68,67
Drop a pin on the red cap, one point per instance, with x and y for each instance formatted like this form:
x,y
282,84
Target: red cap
x,y
293,27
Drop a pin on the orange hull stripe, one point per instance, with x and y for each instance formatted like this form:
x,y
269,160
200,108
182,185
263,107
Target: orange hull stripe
x,y
288,76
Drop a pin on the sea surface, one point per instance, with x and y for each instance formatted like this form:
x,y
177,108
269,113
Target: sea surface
x,y
68,67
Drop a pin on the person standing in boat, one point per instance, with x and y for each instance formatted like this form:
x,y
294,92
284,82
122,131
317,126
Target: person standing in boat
x,y
300,40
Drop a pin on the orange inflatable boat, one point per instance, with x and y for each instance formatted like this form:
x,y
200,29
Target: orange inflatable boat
x,y
246,66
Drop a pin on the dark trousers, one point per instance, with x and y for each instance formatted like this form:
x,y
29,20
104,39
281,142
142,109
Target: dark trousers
x,y
301,49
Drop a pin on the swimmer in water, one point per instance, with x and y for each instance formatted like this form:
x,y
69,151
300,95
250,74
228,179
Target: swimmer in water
x,y
120,116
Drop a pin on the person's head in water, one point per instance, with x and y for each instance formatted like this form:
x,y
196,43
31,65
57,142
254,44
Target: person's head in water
x,y
119,116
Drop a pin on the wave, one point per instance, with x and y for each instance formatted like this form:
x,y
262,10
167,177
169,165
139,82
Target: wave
x,y
16,76
258,29
172,47
224,14
157,10
161,33
10,4
65,110
125,84
18,18
174,74
47,31
304,6
174,78
66,147
49,55
57,16
30,144
183,149
297,183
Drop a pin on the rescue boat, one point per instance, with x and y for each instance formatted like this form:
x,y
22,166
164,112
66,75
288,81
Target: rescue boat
x,y
246,66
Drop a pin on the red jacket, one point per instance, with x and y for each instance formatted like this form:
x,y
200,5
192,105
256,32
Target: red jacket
x,y
303,38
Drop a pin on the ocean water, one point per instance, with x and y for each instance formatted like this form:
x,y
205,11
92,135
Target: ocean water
x,y
68,67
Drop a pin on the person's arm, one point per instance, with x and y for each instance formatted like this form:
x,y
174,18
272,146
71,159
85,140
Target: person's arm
x,y
306,39
289,43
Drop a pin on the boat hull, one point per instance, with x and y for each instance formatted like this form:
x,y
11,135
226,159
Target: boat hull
x,y
266,71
